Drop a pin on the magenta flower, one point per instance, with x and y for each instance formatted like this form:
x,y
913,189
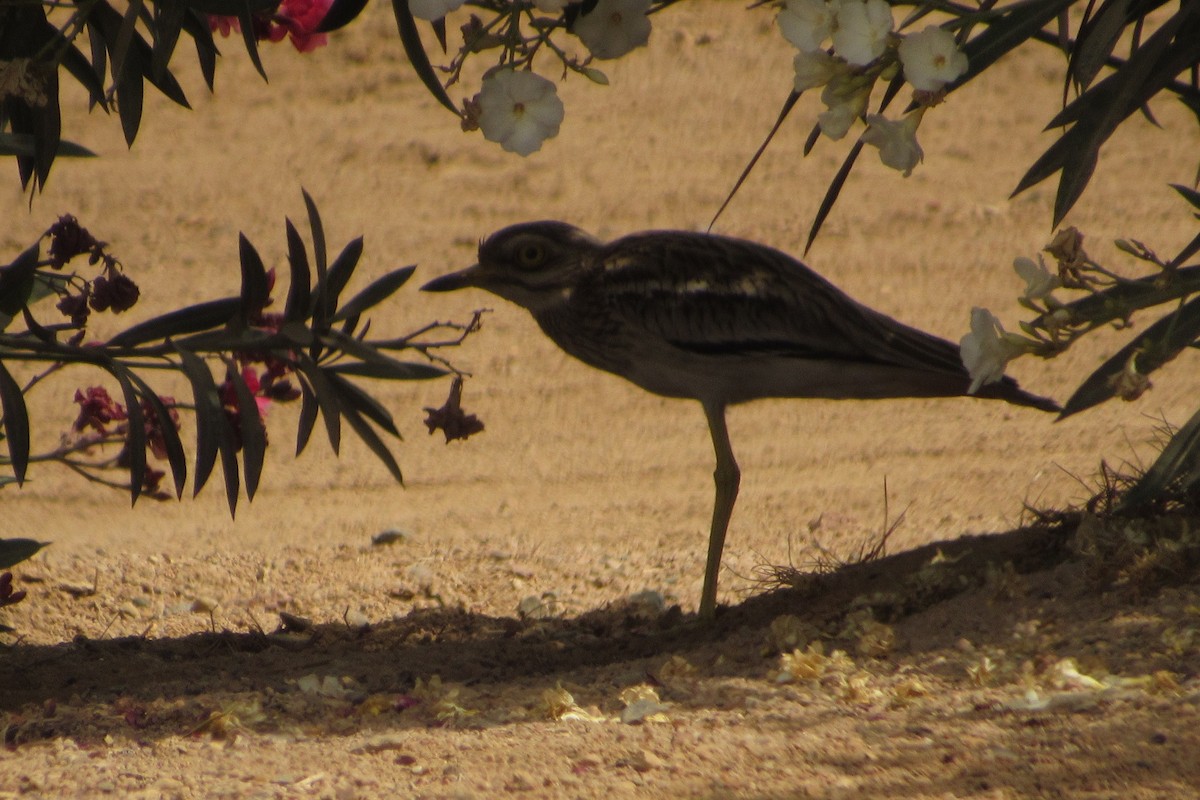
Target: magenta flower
x,y
297,19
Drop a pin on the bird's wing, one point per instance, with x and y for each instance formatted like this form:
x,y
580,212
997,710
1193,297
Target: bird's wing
x,y
713,294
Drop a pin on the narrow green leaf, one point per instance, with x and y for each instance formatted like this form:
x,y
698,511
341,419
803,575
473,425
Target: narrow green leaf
x,y
168,22
788,105
329,289
193,319
352,397
136,435
410,37
196,24
320,259
254,433
14,551
1155,346
1120,301
380,289
16,423
17,284
1096,40
1188,193
397,371
129,106
1187,252
308,417
1005,32
340,14
327,399
831,194
25,146
210,416
176,457
1180,456
246,22
81,69
300,286
124,39
255,291
372,440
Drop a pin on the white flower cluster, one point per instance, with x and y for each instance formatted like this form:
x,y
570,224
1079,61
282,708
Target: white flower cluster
x,y
520,109
845,46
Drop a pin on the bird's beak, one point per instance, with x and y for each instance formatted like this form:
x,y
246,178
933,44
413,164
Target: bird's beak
x,y
454,281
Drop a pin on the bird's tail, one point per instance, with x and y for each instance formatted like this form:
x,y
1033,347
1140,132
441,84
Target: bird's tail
x,y
1007,389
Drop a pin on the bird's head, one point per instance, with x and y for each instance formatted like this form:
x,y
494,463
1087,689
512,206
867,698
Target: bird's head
x,y
532,264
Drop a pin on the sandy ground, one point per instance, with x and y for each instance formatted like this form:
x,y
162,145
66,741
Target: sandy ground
x,y
585,491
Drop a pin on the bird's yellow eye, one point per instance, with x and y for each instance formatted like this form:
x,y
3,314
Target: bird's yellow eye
x,y
530,254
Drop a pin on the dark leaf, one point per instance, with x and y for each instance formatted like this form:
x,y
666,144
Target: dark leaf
x,y
308,417
399,370
81,69
25,146
210,416
327,399
372,440
129,106
788,104
193,319
168,21
255,291
254,434
174,447
350,397
340,14
1154,347
330,288
1188,193
14,551
196,24
320,259
124,39
136,436
1006,31
1187,252
1179,462
17,282
16,423
1097,38
831,194
439,30
379,290
410,37
246,23
299,288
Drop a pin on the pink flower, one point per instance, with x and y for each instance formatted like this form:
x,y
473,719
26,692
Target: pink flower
x,y
301,17
295,18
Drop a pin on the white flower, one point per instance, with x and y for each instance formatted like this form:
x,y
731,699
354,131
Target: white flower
x,y
987,349
807,23
845,98
550,6
931,59
519,110
815,69
614,27
1039,281
897,141
433,9
862,30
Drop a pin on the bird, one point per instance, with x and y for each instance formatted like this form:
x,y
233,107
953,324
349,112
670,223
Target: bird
x,y
716,319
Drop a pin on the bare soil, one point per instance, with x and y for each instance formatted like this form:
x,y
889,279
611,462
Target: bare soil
x,y
991,653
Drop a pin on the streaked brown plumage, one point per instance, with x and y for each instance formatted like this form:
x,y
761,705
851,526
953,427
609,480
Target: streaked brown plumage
x,y
715,319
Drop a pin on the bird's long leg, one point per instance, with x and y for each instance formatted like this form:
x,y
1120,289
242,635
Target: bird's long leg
x,y
727,477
